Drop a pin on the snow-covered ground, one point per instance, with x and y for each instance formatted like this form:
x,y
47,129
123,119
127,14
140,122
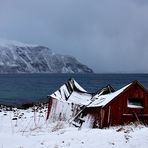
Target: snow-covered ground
x,y
29,129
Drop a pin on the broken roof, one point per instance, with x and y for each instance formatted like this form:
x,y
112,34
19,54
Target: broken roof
x,y
102,100
72,92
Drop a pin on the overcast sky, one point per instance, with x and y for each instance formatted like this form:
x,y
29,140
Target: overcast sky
x,y
106,35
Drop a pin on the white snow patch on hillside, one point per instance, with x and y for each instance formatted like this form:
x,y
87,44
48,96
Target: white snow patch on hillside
x,y
17,57
30,129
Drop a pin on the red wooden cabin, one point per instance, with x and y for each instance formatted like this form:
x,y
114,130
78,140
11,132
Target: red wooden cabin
x,y
106,108
128,106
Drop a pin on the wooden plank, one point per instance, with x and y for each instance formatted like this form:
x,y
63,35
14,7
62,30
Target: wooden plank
x,y
142,115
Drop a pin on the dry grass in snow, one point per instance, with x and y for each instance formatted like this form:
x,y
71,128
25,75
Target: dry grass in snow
x,y
29,128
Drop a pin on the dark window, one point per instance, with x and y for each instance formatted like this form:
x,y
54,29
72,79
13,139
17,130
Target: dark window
x,y
135,102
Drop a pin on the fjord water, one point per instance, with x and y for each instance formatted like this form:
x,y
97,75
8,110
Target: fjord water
x,y
16,89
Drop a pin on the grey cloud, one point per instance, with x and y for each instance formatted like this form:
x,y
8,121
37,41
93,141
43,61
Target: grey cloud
x,y
107,35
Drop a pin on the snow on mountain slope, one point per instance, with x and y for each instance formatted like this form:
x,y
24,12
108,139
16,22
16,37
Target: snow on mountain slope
x,y
17,57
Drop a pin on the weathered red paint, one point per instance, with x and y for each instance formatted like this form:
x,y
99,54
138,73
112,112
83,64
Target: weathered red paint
x,y
117,111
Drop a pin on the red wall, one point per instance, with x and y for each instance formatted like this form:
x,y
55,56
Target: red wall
x,y
117,111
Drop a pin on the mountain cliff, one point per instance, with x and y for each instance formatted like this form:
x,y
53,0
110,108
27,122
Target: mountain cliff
x,y
17,57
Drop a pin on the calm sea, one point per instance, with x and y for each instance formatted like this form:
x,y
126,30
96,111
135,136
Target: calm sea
x,y
16,89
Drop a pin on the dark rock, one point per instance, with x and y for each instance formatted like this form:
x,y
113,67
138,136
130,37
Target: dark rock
x,y
14,118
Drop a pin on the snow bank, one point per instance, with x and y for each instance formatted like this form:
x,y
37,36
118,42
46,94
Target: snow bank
x,y
28,128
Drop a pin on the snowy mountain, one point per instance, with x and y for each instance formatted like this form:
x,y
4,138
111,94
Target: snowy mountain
x,y
17,57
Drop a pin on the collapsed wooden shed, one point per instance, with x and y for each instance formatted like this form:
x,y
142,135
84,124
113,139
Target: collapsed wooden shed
x,y
104,108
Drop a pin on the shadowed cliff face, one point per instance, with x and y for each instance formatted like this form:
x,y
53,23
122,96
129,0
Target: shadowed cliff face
x,y
37,59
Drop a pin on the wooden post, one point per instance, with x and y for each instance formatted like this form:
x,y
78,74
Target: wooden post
x,y
102,118
49,106
108,120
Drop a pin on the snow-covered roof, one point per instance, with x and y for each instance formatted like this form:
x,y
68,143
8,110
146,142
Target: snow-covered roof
x,y
102,100
72,92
